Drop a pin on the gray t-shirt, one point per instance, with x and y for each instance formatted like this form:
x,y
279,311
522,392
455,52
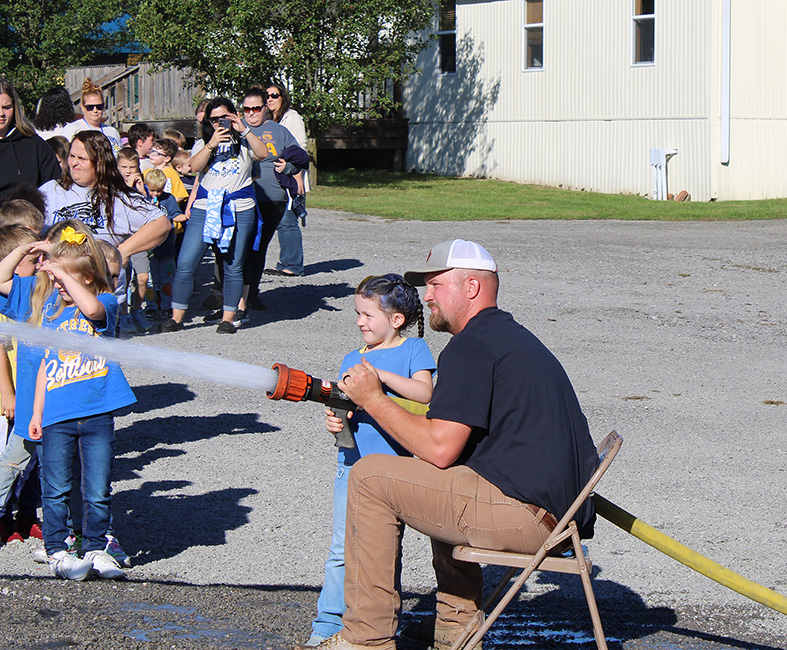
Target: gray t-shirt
x,y
276,138
75,203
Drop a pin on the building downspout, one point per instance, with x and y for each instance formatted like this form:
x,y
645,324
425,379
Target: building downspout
x,y
726,38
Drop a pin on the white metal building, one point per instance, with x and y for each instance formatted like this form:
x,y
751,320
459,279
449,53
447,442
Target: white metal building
x,y
575,93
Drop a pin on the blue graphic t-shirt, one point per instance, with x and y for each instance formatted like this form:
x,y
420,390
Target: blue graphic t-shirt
x,y
407,358
77,385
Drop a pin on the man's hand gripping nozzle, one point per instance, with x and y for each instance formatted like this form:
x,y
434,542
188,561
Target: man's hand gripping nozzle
x,y
297,386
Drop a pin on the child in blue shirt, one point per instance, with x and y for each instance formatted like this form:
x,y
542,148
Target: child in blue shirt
x,y
75,394
385,307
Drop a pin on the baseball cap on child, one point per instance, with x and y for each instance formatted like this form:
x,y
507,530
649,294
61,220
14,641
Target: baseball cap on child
x,y
452,254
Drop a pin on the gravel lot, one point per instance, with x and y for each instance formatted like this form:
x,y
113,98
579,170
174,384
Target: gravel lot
x,y
673,333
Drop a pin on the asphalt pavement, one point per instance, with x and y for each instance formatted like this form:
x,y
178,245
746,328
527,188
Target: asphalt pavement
x,y
673,334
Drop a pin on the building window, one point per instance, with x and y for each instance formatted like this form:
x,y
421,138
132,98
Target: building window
x,y
447,35
644,26
534,34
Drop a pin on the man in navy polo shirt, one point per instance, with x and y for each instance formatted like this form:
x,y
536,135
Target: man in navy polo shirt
x,y
500,456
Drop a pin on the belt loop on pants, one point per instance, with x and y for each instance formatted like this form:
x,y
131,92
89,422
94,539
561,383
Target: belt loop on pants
x,y
542,516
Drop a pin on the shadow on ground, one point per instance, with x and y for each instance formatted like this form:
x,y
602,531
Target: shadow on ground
x,y
299,301
160,518
332,266
559,619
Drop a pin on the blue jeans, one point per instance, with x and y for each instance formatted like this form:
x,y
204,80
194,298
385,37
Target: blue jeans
x,y
93,437
193,249
290,244
272,213
330,605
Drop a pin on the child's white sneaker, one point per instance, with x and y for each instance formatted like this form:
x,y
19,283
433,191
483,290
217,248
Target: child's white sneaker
x,y
105,566
69,567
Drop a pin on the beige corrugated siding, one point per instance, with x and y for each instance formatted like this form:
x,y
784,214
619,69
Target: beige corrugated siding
x,y
589,117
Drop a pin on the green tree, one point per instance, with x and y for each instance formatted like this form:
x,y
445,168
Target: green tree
x,y
41,38
340,58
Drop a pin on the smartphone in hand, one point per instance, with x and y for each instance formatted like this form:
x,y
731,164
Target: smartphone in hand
x,y
225,123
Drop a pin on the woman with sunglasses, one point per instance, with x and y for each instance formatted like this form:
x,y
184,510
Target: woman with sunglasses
x,y
272,198
289,232
93,116
24,156
224,212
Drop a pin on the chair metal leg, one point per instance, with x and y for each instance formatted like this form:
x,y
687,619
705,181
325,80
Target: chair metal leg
x,y
501,605
470,628
598,630
479,617
496,592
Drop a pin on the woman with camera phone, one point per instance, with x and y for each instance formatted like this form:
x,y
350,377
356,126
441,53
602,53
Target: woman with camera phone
x,y
224,212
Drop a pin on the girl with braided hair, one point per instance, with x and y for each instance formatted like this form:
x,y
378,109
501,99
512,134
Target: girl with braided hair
x,y
386,306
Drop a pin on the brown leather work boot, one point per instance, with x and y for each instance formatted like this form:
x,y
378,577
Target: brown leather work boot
x,y
336,642
423,632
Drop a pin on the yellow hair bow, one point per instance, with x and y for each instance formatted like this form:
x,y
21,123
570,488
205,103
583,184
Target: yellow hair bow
x,y
72,236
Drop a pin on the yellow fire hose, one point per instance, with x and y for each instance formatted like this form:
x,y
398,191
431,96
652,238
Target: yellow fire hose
x,y
691,559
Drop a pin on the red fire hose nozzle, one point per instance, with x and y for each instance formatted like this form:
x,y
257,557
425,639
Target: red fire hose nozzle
x,y
297,386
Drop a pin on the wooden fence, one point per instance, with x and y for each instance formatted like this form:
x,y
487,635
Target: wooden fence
x,y
133,93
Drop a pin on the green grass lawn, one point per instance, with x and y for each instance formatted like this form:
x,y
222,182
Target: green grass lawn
x,y
434,198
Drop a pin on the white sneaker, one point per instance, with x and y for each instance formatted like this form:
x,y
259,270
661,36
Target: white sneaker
x,y
39,555
69,567
140,322
105,566
114,549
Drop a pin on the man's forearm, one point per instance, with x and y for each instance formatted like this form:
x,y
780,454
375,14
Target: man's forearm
x,y
439,442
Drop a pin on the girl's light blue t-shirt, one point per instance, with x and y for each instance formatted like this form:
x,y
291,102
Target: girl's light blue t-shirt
x,y
407,358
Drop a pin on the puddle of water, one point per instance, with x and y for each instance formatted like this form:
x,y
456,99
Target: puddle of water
x,y
171,622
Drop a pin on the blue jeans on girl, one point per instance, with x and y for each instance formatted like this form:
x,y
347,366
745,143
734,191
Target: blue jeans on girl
x,y
193,248
330,604
93,437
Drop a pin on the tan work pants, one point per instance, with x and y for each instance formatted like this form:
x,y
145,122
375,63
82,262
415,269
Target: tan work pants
x,y
452,506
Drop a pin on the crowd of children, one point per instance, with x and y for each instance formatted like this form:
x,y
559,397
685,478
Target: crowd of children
x,y
59,404
164,181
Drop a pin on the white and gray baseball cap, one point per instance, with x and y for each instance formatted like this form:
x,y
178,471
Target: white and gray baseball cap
x,y
452,254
